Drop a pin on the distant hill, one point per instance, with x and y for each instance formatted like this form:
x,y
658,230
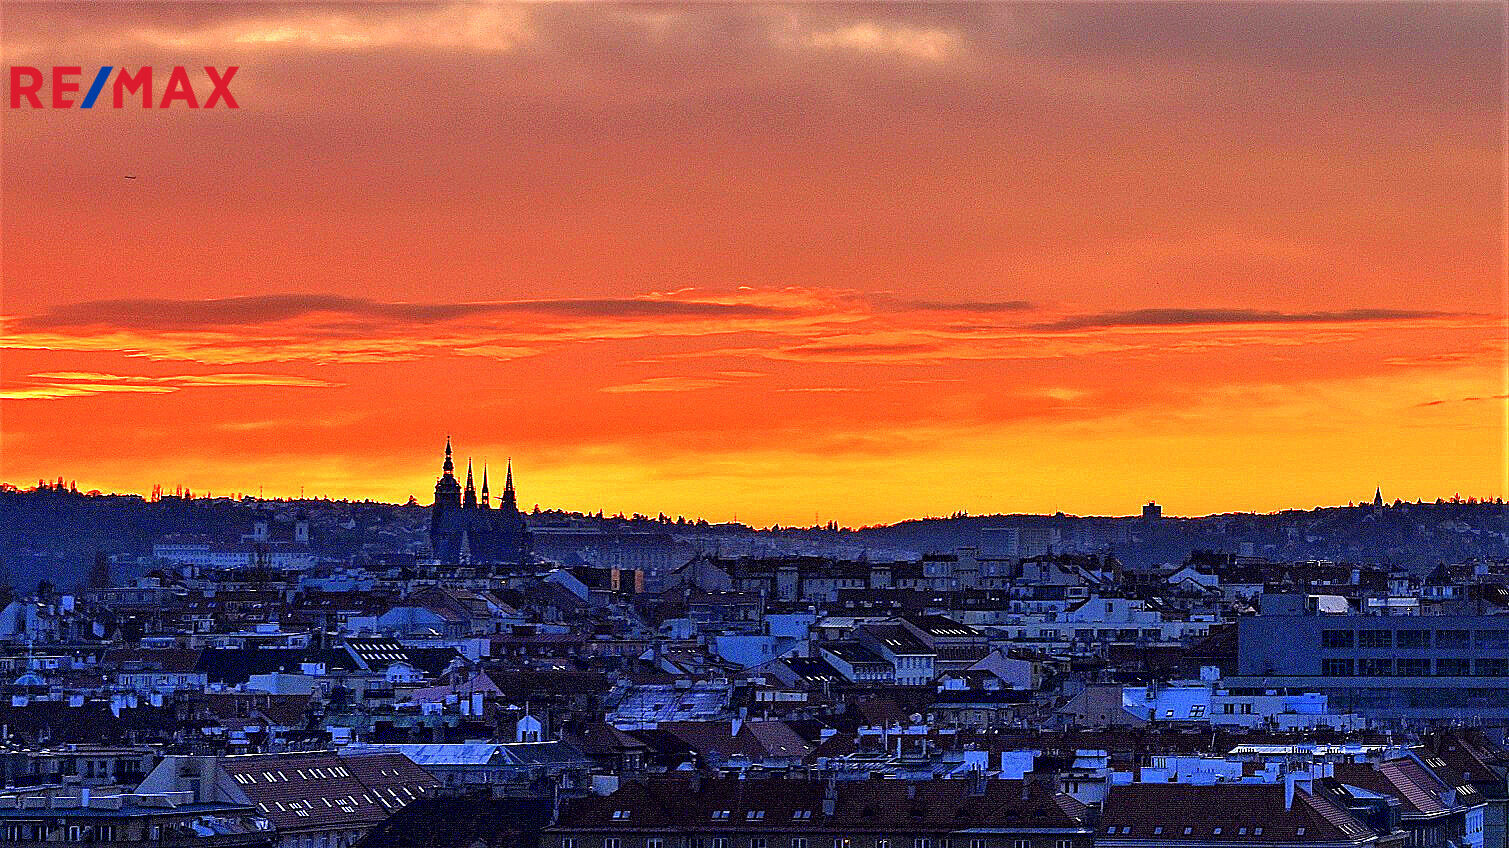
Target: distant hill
x,y
54,533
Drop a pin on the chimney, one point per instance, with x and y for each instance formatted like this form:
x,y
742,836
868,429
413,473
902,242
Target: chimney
x,y
977,783
1301,780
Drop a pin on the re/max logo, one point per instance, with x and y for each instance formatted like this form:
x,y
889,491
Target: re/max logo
x,y
26,86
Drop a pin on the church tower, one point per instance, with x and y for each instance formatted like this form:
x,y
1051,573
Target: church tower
x,y
510,501
470,501
447,502
485,503
447,490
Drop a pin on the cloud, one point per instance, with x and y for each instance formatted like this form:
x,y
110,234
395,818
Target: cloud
x,y
789,324
986,307
52,385
682,383
1177,317
931,44
1472,399
169,314
337,328
473,27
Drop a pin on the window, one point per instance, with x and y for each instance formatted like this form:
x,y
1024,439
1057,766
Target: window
x,y
1374,667
798,842
754,815
1375,638
801,814
568,842
976,843
921,843
1299,831
1414,638
1453,667
1336,639
720,815
1257,831
1492,639
1158,831
1414,667
1334,667
611,842
620,815
1451,638
757,842
718,842
654,842
1197,711
1215,832
882,843
1492,667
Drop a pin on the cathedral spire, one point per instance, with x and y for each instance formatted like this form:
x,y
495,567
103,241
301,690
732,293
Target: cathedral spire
x,y
449,467
471,487
510,500
485,503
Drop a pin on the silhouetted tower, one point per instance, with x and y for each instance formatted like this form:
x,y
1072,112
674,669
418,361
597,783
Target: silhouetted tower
x,y
486,503
470,500
447,490
510,500
1378,498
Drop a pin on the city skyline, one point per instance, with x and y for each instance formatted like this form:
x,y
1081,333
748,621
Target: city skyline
x,y
872,262
480,470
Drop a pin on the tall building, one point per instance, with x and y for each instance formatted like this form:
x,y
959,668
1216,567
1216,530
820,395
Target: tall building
x,y
1403,668
464,528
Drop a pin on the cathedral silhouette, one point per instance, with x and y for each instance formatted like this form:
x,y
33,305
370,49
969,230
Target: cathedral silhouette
x,y
465,529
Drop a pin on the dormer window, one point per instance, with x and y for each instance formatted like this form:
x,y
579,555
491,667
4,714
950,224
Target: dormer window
x,y
1158,831
754,815
1188,831
1257,831
620,815
720,815
1216,832
1299,831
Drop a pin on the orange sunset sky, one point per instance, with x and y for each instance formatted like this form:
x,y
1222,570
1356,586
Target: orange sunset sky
x,y
859,262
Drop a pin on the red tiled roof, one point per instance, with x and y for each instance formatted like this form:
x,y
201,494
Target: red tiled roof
x,y
322,791
1395,778
859,806
1237,813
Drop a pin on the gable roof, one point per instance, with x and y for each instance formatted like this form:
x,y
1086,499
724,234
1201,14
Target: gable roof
x,y
1226,812
321,791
